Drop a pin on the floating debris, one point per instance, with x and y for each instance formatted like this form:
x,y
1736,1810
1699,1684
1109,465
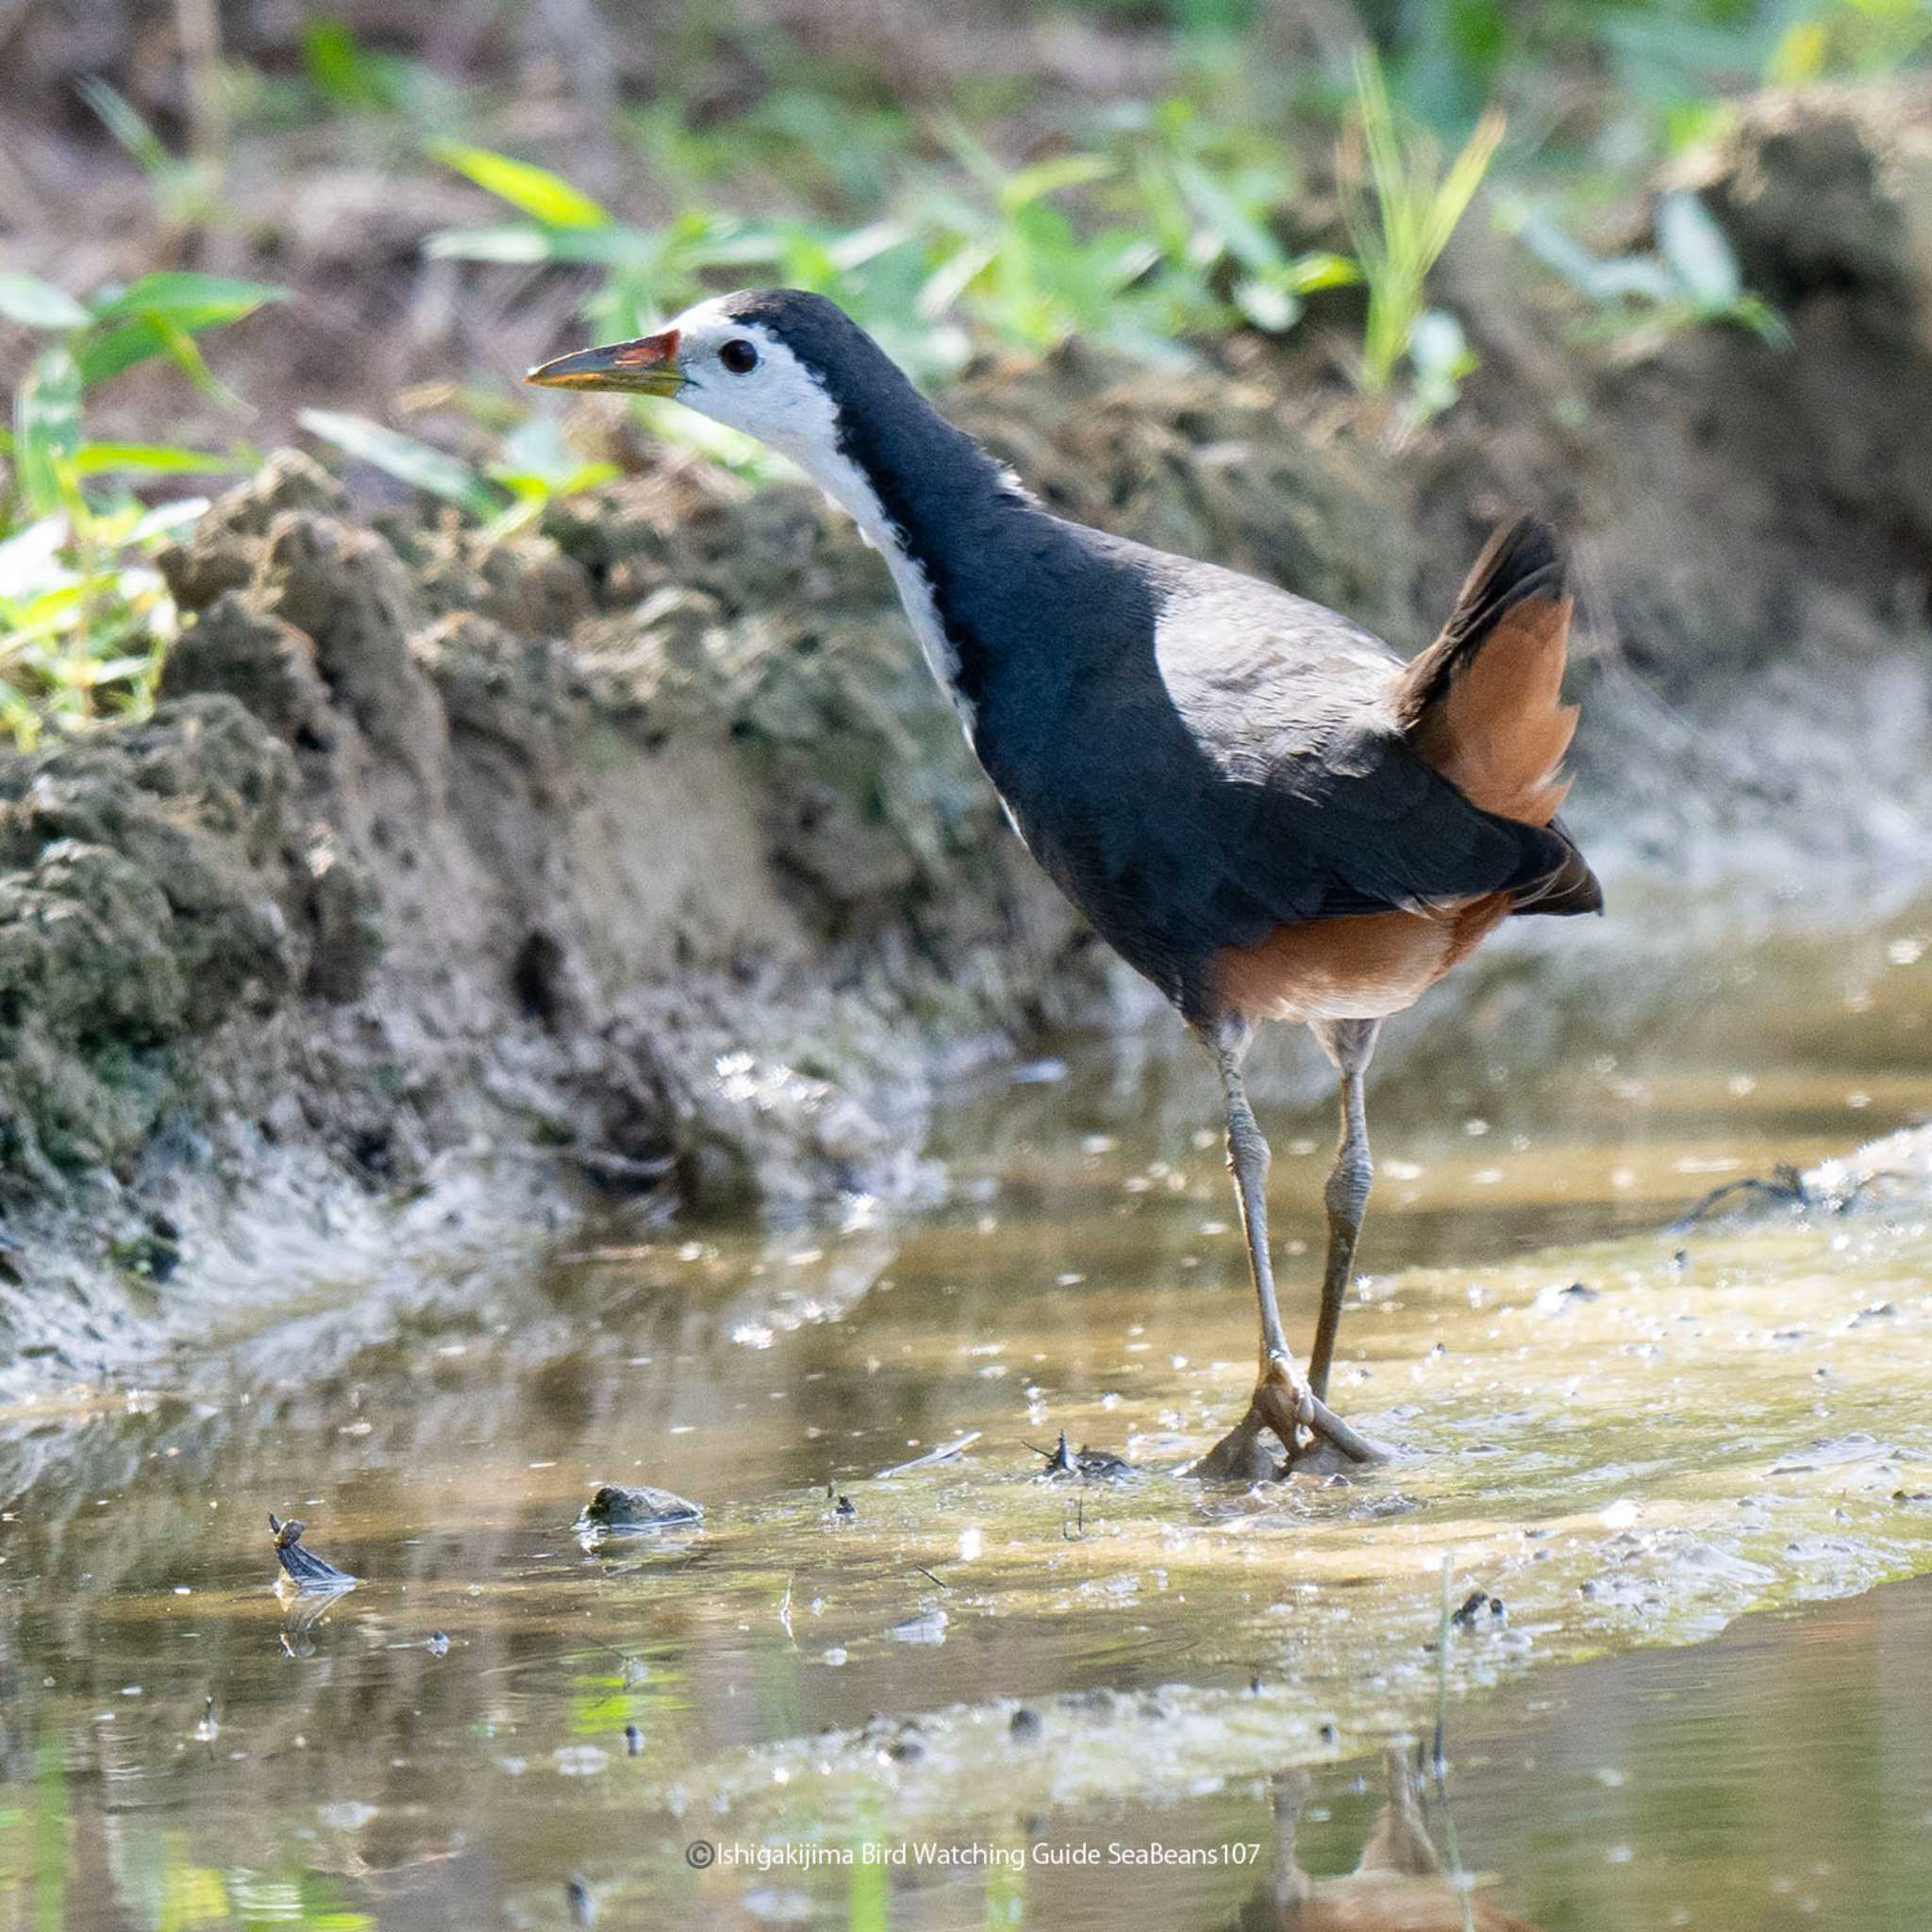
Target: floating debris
x,y
1097,1465
1787,1188
944,1453
302,1567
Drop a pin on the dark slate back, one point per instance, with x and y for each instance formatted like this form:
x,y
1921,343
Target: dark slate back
x,y
1195,757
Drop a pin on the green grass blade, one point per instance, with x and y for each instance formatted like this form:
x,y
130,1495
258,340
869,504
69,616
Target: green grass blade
x,y
34,304
155,459
46,429
1238,231
1050,177
1452,199
118,115
520,242
402,456
535,191
1321,268
190,300
1697,251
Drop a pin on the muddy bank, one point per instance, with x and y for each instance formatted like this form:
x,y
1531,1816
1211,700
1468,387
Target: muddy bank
x,y
639,856
636,858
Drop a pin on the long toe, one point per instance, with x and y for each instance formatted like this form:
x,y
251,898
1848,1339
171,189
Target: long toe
x,y
1285,1415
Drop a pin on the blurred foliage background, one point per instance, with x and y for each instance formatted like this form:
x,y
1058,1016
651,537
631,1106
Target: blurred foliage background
x,y
227,223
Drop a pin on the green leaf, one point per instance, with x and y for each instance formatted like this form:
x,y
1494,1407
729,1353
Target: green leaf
x,y
190,300
1268,305
1243,237
104,355
30,558
516,242
46,429
1322,269
545,197
156,314
34,304
158,459
410,461
1032,184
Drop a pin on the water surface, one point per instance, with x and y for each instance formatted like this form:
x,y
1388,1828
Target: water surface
x,y
1628,1435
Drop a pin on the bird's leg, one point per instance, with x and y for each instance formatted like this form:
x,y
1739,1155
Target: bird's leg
x,y
1283,1406
1350,1043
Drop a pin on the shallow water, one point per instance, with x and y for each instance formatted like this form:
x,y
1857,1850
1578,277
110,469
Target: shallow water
x,y
1723,1420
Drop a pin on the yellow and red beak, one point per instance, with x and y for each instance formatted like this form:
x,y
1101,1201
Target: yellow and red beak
x,y
648,366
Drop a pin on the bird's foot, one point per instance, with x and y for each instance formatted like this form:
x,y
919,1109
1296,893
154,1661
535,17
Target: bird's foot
x,y
1285,1408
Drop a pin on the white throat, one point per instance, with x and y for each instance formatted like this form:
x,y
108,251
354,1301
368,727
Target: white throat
x,y
845,483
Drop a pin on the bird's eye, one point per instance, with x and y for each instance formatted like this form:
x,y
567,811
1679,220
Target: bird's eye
x,y
739,357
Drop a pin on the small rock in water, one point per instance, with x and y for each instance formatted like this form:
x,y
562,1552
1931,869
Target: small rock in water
x,y
614,1507
1478,1606
1553,1300
930,1627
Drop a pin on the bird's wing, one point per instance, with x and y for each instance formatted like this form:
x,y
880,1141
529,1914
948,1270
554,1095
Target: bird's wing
x,y
1321,807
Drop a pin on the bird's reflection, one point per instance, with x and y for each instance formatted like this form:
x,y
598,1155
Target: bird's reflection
x,y
1400,1884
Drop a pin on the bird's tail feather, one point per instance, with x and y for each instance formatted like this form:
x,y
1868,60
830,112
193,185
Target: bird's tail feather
x,y
1482,705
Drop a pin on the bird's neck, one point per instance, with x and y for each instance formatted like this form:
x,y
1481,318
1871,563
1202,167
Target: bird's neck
x,y
938,508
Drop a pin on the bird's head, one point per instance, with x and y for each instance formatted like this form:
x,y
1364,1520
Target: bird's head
x,y
776,363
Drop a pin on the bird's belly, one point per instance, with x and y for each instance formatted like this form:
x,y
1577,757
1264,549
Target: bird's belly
x,y
1359,967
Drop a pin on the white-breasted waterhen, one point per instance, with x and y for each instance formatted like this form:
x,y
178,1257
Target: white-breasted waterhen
x,y
1258,804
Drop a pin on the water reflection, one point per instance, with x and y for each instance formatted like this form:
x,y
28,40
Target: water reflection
x,y
1401,1882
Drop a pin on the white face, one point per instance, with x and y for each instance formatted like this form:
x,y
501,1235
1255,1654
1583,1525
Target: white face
x,y
739,375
